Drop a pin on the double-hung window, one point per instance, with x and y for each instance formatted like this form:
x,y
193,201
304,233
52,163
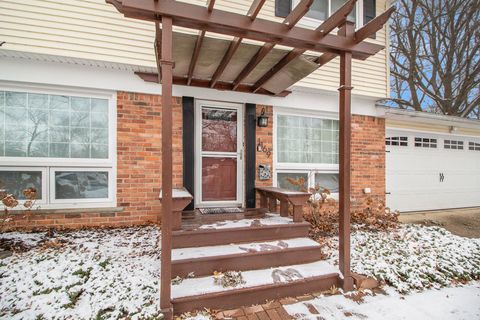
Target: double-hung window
x,y
320,10
307,148
62,143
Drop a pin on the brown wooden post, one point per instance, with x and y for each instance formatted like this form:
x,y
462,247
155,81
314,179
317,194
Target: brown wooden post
x,y
297,212
272,203
166,64
284,207
345,89
263,200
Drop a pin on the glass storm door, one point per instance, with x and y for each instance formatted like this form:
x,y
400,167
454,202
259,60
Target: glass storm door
x,y
219,160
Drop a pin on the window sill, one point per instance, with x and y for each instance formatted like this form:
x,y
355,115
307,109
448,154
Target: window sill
x,y
67,211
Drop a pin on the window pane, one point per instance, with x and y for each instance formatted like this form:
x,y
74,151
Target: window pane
x,y
32,120
219,130
81,184
16,99
14,182
293,181
307,140
318,10
337,4
327,181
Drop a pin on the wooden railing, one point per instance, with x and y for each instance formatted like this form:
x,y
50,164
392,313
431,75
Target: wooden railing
x,y
180,199
270,195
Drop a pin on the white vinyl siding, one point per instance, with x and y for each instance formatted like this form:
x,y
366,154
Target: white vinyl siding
x,y
96,31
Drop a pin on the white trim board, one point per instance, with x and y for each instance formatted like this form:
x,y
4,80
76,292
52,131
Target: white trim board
x,y
97,78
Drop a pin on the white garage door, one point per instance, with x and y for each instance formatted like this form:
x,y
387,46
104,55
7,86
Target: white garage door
x,y
431,171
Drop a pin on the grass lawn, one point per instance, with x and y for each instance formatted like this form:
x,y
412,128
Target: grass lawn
x,y
114,273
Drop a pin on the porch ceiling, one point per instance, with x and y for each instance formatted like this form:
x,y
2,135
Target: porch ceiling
x,y
204,61
210,58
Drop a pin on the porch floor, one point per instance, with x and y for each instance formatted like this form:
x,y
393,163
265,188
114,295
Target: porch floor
x,y
194,219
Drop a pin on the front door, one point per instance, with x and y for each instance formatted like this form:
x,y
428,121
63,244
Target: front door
x,y
219,154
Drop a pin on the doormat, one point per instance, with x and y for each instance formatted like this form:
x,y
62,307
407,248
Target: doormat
x,y
220,210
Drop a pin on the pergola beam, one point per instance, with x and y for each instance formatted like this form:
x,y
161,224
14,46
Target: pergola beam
x,y
235,43
290,20
361,34
334,21
195,54
337,18
210,4
223,22
220,85
157,47
289,57
297,13
256,59
373,25
255,9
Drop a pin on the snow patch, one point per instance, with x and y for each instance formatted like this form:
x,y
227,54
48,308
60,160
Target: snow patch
x,y
414,257
457,303
108,274
197,286
210,251
270,219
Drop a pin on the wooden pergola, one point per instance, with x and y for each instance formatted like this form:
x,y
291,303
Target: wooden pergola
x,y
348,44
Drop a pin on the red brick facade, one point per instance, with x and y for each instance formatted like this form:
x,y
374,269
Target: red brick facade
x,y
265,136
139,165
368,158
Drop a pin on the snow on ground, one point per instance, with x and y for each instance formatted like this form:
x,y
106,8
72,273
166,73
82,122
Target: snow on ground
x,y
110,274
103,274
457,303
414,257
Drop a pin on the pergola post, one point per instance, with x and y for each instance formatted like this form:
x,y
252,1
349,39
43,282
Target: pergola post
x,y
345,99
166,64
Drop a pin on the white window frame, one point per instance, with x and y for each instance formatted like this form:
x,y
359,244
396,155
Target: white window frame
x,y
314,23
473,146
451,144
390,140
43,170
86,164
52,199
310,168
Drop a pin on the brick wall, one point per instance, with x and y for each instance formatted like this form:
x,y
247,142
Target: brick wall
x,y
264,135
139,164
368,158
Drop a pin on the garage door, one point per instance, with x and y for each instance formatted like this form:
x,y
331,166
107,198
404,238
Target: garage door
x,y
431,171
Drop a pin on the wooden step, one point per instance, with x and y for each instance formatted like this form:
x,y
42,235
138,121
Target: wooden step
x,y
259,288
240,257
253,233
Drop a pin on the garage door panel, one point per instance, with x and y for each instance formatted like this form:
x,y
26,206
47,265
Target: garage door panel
x,y
413,175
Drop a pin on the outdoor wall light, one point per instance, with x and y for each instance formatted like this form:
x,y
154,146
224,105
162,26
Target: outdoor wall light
x,y
262,119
